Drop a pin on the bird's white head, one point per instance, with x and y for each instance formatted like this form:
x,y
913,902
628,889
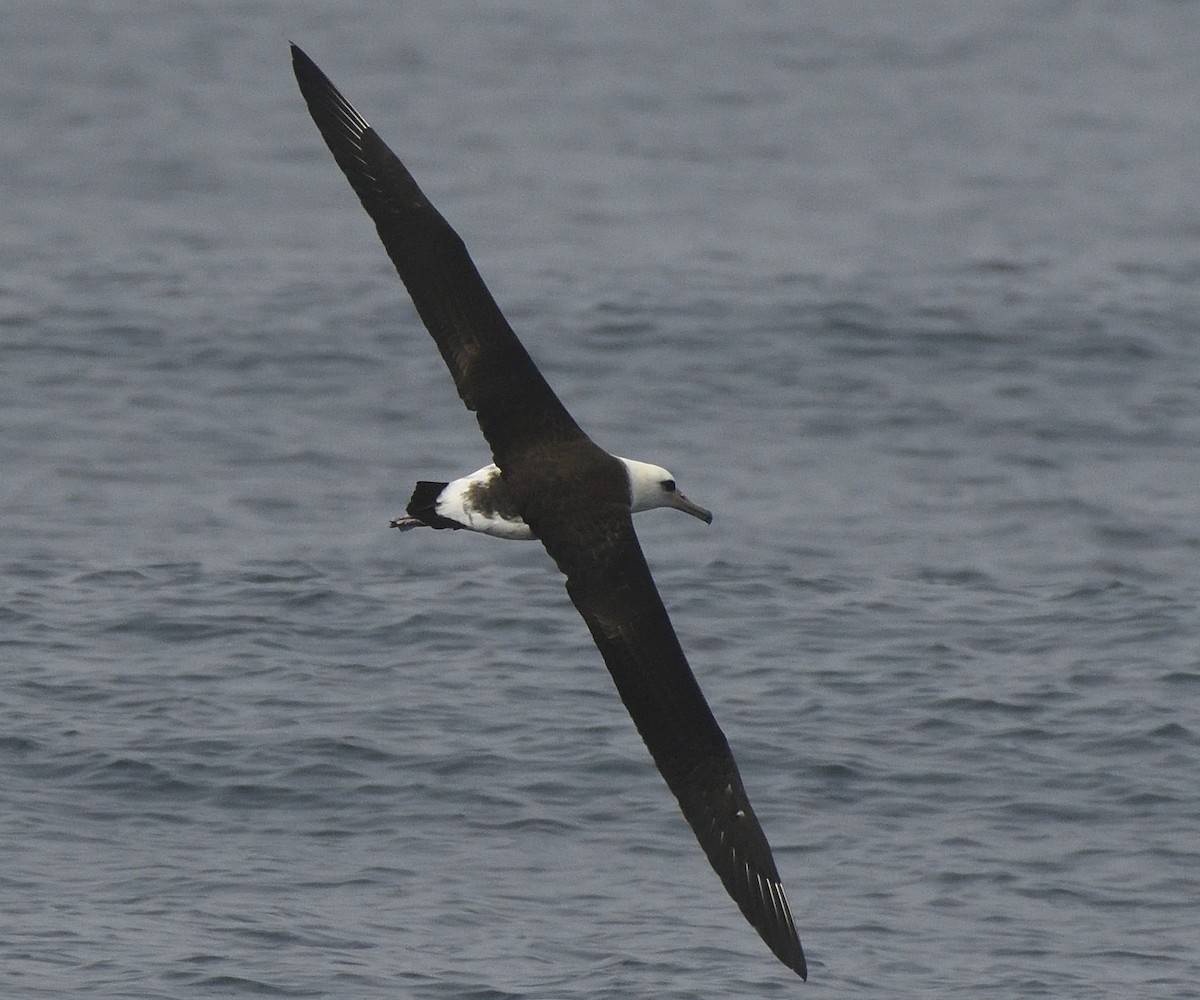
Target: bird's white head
x,y
653,486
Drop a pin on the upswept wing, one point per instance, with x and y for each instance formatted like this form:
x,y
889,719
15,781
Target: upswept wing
x,y
610,584
496,378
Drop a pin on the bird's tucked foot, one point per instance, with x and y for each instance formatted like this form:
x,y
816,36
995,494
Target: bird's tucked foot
x,y
405,523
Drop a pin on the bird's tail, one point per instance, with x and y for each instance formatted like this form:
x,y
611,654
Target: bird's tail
x,y
423,505
422,509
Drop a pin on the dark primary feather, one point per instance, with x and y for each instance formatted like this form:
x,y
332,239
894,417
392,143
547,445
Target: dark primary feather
x,y
583,518
495,376
612,587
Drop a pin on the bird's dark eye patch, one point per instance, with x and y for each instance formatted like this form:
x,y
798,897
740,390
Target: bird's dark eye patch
x,y
668,485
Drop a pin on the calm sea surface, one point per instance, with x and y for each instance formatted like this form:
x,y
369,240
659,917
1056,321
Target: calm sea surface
x,y
907,293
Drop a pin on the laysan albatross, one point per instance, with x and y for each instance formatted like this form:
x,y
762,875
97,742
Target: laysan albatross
x,y
551,482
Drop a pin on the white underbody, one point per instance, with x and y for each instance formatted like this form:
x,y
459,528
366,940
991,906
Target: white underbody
x,y
454,502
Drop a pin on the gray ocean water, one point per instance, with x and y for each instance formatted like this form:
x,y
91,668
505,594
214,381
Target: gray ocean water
x,y
907,293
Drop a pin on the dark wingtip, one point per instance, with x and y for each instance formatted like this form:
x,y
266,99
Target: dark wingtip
x,y
303,66
799,966
791,954
789,950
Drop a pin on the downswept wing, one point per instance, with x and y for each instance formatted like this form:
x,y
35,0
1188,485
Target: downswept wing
x,y
610,584
495,376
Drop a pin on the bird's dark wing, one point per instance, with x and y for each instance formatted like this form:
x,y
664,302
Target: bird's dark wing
x,y
611,585
495,376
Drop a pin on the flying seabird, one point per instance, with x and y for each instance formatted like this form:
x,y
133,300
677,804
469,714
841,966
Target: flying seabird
x,y
551,482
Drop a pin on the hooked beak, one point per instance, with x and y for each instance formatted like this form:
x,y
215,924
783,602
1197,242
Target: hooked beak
x,y
680,502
